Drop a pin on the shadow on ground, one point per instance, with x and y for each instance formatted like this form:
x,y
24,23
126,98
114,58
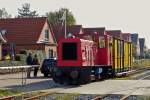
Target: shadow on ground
x,y
42,85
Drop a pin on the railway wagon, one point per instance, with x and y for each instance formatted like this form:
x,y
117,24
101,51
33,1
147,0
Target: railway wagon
x,y
80,61
121,56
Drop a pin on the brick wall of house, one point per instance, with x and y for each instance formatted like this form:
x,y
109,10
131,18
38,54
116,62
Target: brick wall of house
x,y
49,49
20,47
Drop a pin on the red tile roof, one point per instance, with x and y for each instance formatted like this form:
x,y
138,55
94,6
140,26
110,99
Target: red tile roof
x,y
126,36
59,31
22,30
92,31
74,29
115,33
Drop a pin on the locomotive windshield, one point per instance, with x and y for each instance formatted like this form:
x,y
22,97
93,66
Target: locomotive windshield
x,y
69,51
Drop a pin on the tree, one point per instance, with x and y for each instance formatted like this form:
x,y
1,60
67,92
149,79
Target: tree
x,y
55,17
4,14
26,12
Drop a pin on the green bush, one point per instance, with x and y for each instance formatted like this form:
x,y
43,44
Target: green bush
x,y
17,58
141,63
11,63
40,54
23,52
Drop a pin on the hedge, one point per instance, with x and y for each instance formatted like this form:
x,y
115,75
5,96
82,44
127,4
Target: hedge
x,y
11,63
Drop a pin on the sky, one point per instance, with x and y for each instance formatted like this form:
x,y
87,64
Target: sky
x,y
129,16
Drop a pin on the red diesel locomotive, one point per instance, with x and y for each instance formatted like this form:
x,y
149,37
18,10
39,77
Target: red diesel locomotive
x,y
80,61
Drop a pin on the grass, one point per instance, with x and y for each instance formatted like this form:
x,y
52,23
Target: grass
x,y
137,64
7,92
141,63
122,78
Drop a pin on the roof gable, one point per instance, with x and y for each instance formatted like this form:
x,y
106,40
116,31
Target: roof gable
x,y
43,37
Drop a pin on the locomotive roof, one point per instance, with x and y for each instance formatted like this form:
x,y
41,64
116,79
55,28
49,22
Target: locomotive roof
x,y
76,39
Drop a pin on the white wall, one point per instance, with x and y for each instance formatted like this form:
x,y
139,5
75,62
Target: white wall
x,y
0,52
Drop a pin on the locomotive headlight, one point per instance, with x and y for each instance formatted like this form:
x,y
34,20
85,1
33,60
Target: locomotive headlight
x,y
74,74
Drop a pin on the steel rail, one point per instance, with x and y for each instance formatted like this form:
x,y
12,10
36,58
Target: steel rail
x,y
100,97
126,96
36,97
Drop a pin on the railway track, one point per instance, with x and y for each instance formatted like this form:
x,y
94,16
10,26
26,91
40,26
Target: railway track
x,y
121,97
138,70
44,95
31,95
41,95
143,75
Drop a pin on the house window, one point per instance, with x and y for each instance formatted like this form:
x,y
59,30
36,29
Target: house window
x,y
51,53
47,34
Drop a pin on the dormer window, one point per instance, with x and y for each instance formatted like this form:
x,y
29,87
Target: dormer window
x,y
46,34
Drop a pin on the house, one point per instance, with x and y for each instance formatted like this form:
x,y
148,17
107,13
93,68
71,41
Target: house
x,y
28,34
2,40
142,47
136,47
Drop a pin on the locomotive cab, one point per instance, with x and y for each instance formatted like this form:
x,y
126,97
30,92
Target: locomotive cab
x,y
75,58
75,52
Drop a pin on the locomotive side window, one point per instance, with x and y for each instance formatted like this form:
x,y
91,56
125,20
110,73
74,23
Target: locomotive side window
x,y
101,42
69,51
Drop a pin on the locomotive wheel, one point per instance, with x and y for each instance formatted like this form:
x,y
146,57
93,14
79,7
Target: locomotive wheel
x,y
84,78
98,78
